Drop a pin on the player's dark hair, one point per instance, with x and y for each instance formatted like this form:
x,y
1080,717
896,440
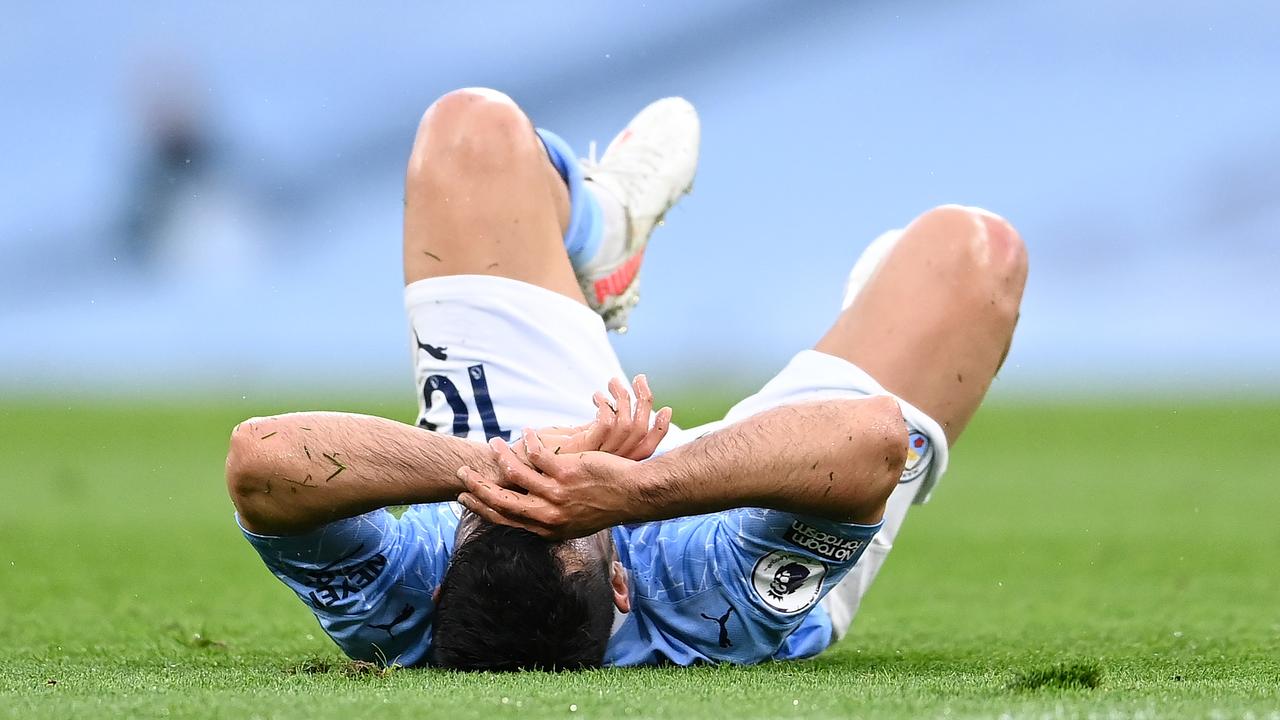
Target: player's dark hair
x,y
508,603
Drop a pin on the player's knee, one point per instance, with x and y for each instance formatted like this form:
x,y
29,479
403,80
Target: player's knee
x,y
470,131
1005,254
982,249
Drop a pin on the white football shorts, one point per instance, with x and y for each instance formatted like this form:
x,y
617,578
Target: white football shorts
x,y
493,356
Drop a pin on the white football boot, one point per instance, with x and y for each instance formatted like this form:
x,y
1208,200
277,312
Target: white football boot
x,y
646,169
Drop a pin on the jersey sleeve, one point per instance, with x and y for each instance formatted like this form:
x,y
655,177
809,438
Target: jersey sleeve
x,y
738,586
370,579
782,564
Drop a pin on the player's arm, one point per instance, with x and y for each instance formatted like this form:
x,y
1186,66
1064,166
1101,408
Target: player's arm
x,y
838,459
288,474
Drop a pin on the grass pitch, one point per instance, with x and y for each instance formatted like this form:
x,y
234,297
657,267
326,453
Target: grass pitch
x,y
1077,561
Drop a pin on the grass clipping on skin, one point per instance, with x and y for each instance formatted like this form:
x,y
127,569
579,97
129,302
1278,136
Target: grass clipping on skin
x,y
1075,675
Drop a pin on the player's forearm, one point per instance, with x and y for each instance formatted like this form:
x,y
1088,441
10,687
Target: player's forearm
x,y
290,473
837,459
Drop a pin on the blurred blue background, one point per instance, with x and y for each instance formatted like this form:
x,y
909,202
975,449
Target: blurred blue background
x,y
206,197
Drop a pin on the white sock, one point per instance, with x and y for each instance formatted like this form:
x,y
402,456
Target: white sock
x,y
613,237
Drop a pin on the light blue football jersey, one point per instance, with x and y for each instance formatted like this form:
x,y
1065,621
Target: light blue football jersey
x,y
739,586
369,579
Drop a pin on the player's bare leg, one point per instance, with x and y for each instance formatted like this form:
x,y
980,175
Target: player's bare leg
x,y
931,317
481,197
484,194
503,215
935,319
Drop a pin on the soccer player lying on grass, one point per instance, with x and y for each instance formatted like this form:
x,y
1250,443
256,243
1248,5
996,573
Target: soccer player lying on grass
x,y
749,539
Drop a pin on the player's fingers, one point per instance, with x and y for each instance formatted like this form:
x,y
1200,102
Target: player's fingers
x,y
640,418
566,443
530,512
644,402
602,402
644,398
562,430
514,506
545,459
603,425
516,475
499,479
599,427
488,514
622,403
649,443
518,449
559,433
551,438
621,397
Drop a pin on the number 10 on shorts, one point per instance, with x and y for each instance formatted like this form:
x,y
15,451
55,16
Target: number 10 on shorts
x,y
461,412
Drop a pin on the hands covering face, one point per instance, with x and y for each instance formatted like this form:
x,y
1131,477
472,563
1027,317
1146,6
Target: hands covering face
x,y
566,482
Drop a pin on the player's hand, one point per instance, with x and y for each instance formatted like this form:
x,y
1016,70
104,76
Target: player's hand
x,y
557,496
618,428
569,439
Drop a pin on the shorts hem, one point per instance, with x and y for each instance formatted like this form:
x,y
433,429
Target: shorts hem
x,y
467,287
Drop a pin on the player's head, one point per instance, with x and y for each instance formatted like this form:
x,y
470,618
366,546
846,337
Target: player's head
x,y
511,600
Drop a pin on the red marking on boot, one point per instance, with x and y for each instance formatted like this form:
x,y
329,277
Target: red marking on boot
x,y
618,280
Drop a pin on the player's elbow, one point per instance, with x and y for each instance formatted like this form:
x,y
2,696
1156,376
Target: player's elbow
x,y
890,437
880,455
245,483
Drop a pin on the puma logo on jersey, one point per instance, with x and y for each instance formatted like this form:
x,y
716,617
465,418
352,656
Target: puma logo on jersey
x,y
405,613
435,352
723,621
